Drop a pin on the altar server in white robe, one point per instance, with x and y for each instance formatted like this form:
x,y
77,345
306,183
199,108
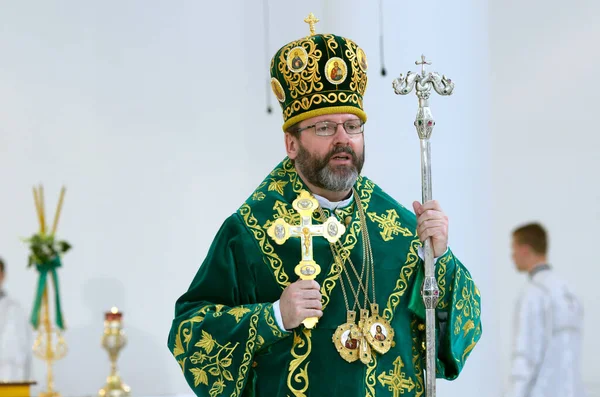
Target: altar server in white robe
x,y
15,338
548,325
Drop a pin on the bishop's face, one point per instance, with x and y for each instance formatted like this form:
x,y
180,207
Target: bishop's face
x,y
329,162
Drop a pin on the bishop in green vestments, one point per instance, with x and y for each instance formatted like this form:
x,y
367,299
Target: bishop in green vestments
x,y
238,330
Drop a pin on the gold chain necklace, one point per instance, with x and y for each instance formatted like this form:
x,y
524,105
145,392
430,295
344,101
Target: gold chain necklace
x,y
376,329
354,341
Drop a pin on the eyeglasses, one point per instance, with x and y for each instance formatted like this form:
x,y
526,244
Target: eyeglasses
x,y
328,128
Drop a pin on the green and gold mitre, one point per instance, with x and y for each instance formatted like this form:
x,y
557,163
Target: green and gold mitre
x,y
319,74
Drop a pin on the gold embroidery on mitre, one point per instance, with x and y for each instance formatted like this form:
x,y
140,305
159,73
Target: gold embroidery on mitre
x,y
358,79
307,80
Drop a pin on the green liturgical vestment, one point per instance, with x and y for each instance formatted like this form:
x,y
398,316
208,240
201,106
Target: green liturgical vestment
x,y
225,336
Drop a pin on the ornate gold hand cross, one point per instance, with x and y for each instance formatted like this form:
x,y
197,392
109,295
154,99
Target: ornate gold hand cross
x,y
281,231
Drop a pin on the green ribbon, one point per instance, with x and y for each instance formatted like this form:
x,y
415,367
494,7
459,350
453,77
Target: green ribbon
x,y
44,269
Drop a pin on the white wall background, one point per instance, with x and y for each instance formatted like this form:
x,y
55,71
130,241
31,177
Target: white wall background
x,y
544,59
153,115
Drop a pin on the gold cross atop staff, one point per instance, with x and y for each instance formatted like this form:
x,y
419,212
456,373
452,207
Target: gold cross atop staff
x,y
281,231
311,20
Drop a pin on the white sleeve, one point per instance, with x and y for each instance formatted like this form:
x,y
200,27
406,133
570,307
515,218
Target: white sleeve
x,y
15,346
529,343
278,317
422,254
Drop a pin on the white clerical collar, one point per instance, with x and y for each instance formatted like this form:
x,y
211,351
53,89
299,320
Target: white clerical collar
x,y
538,268
333,205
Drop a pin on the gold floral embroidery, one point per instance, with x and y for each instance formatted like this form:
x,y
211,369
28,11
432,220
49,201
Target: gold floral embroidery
x,y
238,312
248,353
279,172
270,256
283,211
371,381
277,186
258,196
272,324
345,212
441,279
458,324
359,77
260,341
307,103
216,365
331,43
212,359
469,310
396,380
402,283
297,380
417,360
468,305
309,79
389,225
185,329
476,336
469,325
290,170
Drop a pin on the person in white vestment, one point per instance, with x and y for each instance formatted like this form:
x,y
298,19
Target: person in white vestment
x,y
15,338
548,319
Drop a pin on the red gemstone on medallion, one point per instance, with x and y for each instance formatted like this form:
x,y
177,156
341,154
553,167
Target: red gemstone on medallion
x,y
429,123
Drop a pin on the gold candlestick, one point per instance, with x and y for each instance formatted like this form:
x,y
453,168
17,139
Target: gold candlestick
x,y
113,340
46,348
45,253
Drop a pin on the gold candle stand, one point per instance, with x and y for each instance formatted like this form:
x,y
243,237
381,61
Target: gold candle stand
x,y
113,340
46,348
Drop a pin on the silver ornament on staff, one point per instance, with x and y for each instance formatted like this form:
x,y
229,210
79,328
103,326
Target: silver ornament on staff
x,y
423,83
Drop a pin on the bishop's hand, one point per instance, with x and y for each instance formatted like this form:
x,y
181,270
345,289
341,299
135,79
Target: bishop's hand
x,y
432,222
300,300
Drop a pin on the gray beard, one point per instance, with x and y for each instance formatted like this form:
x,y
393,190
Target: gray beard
x,y
319,173
336,181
